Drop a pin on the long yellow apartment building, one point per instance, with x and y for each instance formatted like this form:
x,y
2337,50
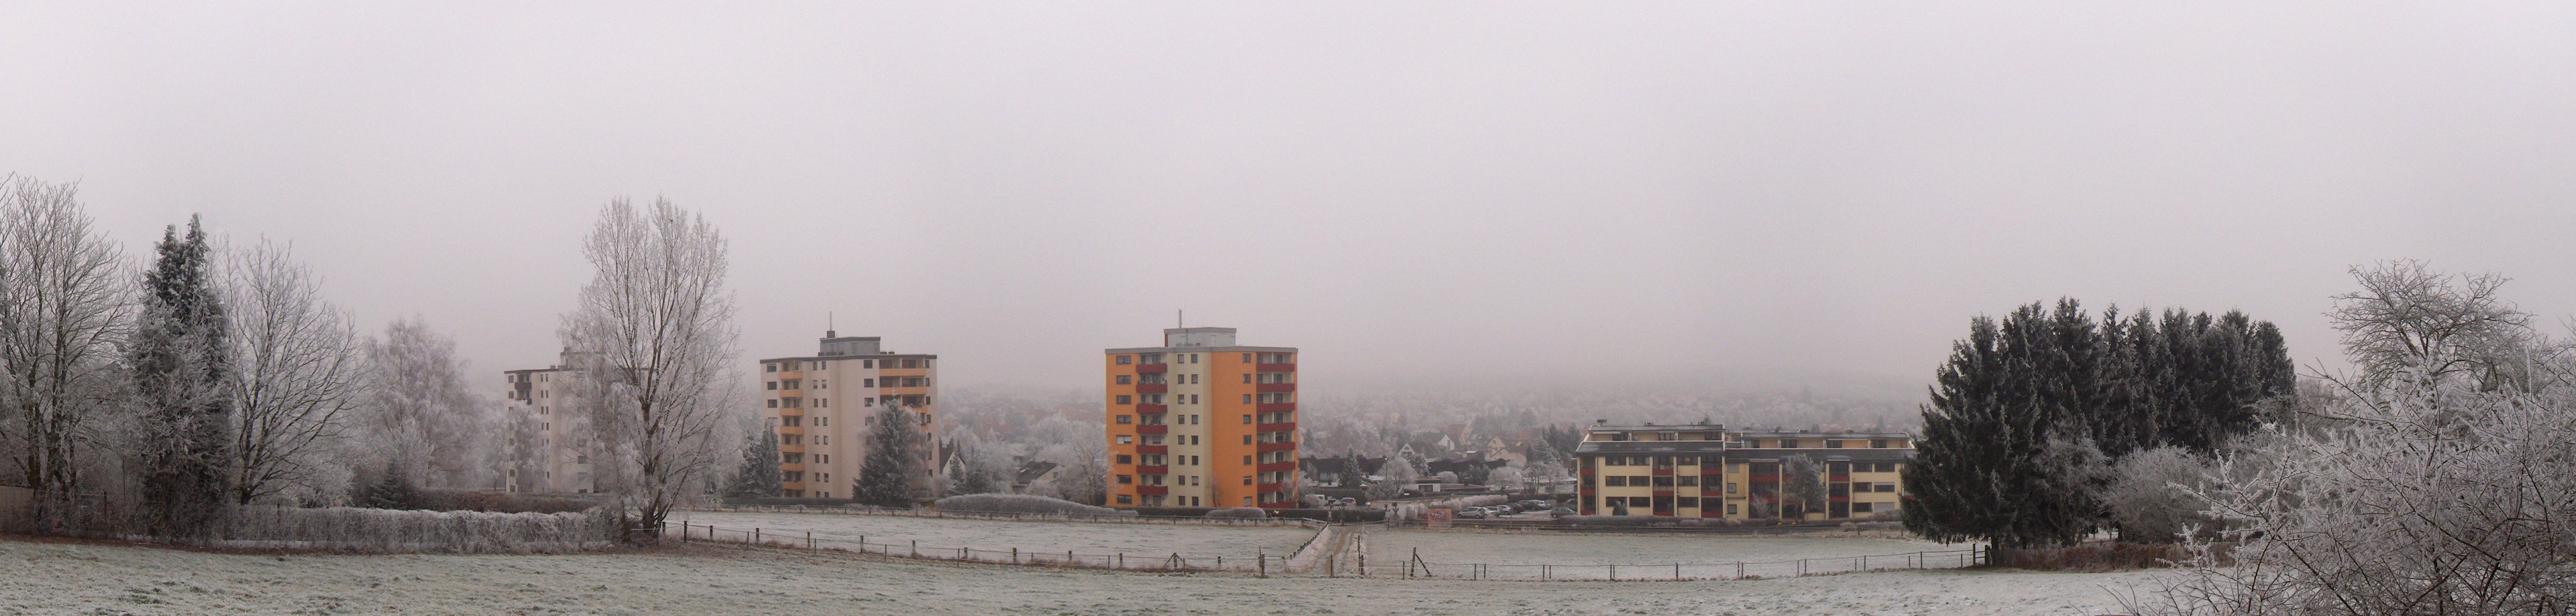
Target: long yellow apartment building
x,y
1709,471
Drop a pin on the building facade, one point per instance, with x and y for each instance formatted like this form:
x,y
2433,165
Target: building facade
x,y
825,407
552,452
1201,422
1709,471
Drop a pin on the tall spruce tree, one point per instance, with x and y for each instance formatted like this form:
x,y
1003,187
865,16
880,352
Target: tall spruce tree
x,y
179,368
758,477
893,474
1980,470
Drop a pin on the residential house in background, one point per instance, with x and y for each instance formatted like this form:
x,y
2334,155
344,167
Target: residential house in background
x,y
1201,422
1709,471
824,408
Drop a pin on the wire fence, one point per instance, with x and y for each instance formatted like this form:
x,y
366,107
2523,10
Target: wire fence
x,y
1260,563
1414,565
1115,518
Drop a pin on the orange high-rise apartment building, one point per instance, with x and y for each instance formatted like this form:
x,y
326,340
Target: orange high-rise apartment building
x,y
1202,422
825,407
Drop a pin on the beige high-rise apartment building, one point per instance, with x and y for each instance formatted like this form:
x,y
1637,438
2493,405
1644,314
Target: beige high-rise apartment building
x,y
824,408
557,460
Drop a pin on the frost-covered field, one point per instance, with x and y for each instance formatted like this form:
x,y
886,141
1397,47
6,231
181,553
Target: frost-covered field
x,y
1087,538
65,578
1580,555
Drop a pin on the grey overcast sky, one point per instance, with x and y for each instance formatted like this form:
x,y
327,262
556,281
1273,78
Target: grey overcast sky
x,y
1420,195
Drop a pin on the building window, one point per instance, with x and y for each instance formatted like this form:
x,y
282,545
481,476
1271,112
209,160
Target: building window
x,y
1730,487
1126,479
1730,508
1124,360
1125,499
1247,398
1686,481
1614,461
1833,444
771,367
1125,439
1860,508
1615,481
773,403
1878,443
1125,379
1640,501
1686,501
1126,399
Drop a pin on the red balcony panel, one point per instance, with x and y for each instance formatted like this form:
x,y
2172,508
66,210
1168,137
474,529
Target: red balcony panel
x,y
1585,470
1276,466
1153,470
1153,490
1275,407
1838,499
1664,471
1152,368
1153,388
1274,367
1290,426
1766,479
1153,429
1274,387
1152,409
1272,487
1153,449
1663,492
1706,511
1270,447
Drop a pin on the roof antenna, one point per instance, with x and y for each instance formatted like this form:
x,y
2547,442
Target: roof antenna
x,y
829,330
1180,319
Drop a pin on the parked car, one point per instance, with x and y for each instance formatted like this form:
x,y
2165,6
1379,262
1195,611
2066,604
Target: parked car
x,y
1471,513
1564,511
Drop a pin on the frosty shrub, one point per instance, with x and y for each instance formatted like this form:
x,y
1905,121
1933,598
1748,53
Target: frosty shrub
x,y
1239,513
2150,495
1017,503
350,529
1414,510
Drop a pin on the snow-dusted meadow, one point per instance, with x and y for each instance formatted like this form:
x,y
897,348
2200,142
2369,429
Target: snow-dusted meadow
x,y
1240,543
83,578
1518,555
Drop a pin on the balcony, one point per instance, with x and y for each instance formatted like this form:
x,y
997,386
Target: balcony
x,y
1158,469
1152,368
1153,449
1275,407
1153,429
1274,387
1276,467
1272,487
1152,409
1270,447
1153,490
791,393
791,430
1276,427
798,467
1274,367
1153,388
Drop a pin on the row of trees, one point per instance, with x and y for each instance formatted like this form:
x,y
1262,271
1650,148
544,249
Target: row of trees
x,y
154,399
2031,413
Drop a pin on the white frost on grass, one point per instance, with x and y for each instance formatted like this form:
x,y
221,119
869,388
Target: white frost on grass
x,y
69,578
1087,539
1647,556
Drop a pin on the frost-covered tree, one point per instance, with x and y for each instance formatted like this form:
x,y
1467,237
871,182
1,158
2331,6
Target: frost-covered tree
x,y
1802,483
294,376
64,309
892,474
418,417
758,476
655,326
179,369
2436,481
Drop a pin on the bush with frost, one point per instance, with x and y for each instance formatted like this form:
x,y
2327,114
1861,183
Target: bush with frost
x,y
1017,503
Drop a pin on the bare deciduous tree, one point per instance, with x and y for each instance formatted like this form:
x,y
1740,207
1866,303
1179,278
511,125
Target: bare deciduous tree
x,y
656,322
64,307
294,378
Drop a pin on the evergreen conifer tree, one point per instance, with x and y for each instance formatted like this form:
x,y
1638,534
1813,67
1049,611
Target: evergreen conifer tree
x,y
179,366
758,477
1979,472
893,474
